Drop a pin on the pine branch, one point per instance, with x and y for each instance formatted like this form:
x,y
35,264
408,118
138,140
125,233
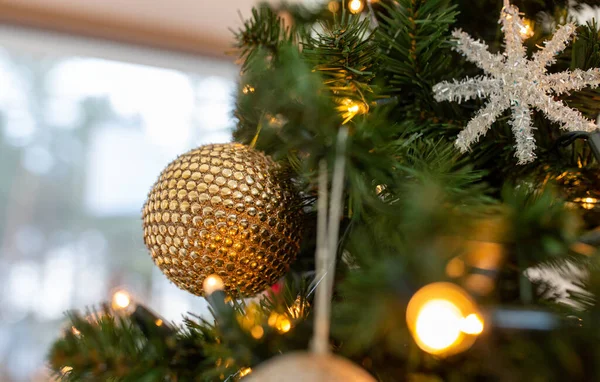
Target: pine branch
x,y
345,54
413,36
265,31
542,227
105,346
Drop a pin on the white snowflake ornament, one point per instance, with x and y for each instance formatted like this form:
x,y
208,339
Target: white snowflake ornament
x,y
516,82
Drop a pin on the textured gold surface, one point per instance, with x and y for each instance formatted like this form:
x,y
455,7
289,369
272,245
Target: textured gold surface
x,y
219,209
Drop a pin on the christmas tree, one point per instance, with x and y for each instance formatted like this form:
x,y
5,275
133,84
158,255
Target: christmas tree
x,y
412,195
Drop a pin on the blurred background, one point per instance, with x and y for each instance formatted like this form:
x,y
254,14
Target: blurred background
x,y
96,97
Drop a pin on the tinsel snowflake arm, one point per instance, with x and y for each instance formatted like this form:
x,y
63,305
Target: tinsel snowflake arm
x,y
481,123
523,131
469,88
557,111
547,55
576,80
478,53
511,25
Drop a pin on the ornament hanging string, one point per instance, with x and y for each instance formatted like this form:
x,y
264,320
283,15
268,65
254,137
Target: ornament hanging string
x,y
328,227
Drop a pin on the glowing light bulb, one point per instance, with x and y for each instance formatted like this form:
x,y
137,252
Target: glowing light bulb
x,y
349,108
443,319
245,371
472,324
438,325
121,300
355,6
212,284
284,325
526,30
587,203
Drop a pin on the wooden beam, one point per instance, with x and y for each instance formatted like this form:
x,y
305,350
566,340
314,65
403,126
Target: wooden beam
x,y
109,29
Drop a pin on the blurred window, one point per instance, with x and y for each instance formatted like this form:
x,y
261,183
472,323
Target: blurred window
x,y
82,140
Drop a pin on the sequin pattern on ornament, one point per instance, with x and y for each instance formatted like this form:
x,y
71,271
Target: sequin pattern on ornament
x,y
222,209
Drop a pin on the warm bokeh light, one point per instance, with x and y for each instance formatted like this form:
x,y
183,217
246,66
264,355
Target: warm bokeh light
x,y
443,319
350,108
587,203
65,370
212,284
248,89
284,325
455,267
333,6
75,331
280,322
438,325
526,30
121,300
244,372
257,332
472,324
355,6
481,285
158,322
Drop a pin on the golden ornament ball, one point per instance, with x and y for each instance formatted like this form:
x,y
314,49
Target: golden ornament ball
x,y
302,367
222,209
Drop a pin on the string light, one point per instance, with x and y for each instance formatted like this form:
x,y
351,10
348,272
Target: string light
x,y
121,300
356,6
472,324
587,203
437,325
333,6
280,322
245,371
526,30
350,108
443,319
212,284
248,89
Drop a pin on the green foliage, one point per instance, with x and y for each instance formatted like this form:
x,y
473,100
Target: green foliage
x,y
264,31
541,226
105,346
413,36
345,54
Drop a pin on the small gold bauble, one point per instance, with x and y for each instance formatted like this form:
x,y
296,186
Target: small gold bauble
x,y
301,367
222,209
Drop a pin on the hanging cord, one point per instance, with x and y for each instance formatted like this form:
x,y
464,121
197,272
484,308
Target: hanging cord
x,y
328,226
